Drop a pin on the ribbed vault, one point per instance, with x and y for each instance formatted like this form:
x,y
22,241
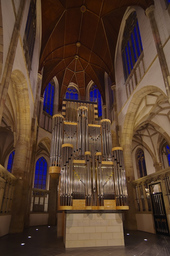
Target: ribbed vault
x,y
79,39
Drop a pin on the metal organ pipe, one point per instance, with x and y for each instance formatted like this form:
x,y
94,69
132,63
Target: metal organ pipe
x,y
120,177
88,178
57,138
67,175
99,178
82,130
106,139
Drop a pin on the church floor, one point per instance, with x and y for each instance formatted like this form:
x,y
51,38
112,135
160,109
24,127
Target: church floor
x,y
43,242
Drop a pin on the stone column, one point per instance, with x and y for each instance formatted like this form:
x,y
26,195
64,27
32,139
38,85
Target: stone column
x,y
161,56
19,203
130,218
6,76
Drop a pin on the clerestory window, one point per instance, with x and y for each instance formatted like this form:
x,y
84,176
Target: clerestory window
x,y
48,99
95,96
131,44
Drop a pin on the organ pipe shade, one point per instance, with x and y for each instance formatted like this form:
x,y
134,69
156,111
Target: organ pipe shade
x,y
120,177
56,142
106,139
82,130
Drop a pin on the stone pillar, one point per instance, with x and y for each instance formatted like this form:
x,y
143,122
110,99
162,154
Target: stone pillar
x,y
130,218
21,190
161,56
53,199
6,76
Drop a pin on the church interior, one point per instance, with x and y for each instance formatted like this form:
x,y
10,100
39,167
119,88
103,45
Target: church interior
x,y
85,118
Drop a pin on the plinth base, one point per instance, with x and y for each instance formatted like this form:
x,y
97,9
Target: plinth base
x,y
93,229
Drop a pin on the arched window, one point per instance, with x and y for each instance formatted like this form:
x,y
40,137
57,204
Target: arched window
x,y
131,44
10,161
165,155
48,99
95,96
71,93
140,162
30,32
40,173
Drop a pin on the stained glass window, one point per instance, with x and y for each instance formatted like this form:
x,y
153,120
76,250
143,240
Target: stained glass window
x,y
140,161
49,99
40,173
71,93
95,96
131,44
10,161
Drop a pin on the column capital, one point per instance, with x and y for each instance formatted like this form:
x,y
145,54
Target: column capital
x,y
149,10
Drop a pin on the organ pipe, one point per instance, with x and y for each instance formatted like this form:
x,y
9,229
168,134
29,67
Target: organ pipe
x,y
56,142
106,139
82,130
120,177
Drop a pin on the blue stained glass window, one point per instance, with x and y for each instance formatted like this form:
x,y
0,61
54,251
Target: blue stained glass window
x,y
130,55
10,161
40,173
71,93
49,99
168,153
131,44
95,96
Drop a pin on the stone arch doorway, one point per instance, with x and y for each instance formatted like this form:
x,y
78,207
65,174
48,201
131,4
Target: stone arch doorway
x,y
126,143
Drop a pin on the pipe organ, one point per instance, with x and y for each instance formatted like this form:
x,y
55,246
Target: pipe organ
x,y
92,174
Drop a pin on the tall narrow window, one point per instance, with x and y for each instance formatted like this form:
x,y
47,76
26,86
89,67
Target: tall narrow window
x,y
165,155
10,161
71,93
131,44
40,173
140,161
95,96
30,32
49,99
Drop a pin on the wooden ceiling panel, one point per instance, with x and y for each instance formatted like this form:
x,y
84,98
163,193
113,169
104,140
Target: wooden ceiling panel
x,y
79,67
69,51
68,77
74,3
50,17
72,65
94,6
73,27
84,52
81,79
88,29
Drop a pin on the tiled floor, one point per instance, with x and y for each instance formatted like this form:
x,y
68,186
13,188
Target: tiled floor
x,y
44,242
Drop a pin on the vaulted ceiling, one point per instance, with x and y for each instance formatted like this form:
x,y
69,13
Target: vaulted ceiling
x,y
79,40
